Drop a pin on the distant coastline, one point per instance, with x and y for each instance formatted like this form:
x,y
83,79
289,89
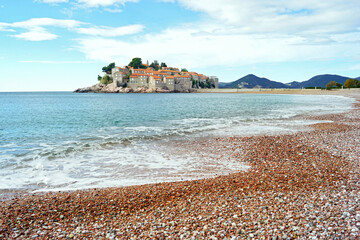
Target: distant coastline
x,y
282,91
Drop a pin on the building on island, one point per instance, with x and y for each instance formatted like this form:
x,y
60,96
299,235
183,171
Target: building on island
x,y
215,81
166,78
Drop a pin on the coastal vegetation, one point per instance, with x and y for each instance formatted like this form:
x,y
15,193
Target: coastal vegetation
x,y
107,69
332,85
156,66
349,83
352,83
106,80
136,63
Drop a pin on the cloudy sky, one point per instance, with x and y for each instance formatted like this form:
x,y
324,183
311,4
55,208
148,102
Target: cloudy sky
x,y
63,44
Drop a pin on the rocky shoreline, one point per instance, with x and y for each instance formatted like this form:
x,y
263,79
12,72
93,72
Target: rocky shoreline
x,y
299,186
110,88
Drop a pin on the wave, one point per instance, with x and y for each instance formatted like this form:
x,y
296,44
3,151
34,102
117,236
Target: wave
x,y
130,152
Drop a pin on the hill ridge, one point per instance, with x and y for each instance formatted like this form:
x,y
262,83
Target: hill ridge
x,y
253,81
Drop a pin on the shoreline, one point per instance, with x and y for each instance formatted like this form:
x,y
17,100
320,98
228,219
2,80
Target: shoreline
x,y
340,92
295,181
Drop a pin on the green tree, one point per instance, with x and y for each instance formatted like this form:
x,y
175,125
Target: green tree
x,y
106,80
208,84
352,83
357,83
349,83
202,85
330,85
184,70
155,65
136,63
108,68
99,77
163,65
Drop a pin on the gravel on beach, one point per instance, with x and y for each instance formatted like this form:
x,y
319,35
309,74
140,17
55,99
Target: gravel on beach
x,y
299,186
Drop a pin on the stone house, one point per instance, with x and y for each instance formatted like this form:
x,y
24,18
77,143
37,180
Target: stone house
x,y
170,69
156,82
120,69
202,78
214,80
138,71
194,76
182,83
159,74
148,72
138,80
169,82
118,75
118,78
170,72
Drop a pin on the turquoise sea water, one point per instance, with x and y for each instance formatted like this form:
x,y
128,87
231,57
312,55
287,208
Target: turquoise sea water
x,y
69,141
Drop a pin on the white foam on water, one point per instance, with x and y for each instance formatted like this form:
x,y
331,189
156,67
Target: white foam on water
x,y
118,166
99,159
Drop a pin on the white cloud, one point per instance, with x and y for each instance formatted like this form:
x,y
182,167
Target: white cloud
x,y
111,31
103,3
244,32
5,27
185,46
231,34
113,6
54,1
37,29
36,36
54,62
284,16
35,23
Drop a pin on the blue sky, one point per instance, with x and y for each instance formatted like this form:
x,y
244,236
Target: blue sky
x,y
59,45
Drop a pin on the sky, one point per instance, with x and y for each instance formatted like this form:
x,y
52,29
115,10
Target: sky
x,y
61,45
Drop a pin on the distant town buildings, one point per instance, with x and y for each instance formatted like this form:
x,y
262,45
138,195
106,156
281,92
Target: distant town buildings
x,y
167,78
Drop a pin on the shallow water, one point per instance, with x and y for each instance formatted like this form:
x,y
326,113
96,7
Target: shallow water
x,y
70,141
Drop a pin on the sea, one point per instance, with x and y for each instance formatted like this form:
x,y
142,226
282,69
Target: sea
x,y
52,141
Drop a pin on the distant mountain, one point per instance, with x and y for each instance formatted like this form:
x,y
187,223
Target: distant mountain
x,y
318,81
252,81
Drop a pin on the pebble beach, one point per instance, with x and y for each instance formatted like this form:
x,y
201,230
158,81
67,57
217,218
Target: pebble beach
x,y
302,185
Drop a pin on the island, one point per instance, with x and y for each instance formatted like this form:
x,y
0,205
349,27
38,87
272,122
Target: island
x,y
138,77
